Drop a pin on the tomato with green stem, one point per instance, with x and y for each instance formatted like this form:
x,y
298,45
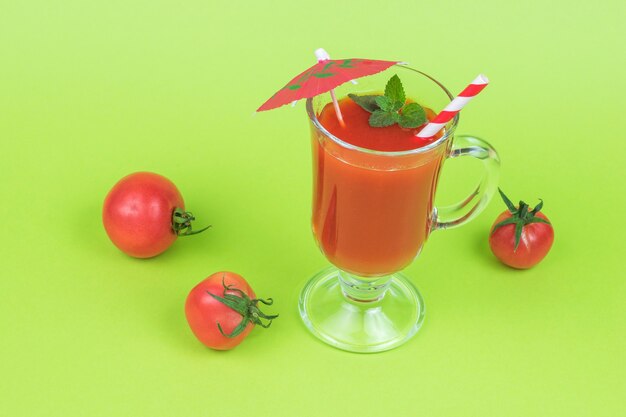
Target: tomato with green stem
x,y
144,213
223,309
521,237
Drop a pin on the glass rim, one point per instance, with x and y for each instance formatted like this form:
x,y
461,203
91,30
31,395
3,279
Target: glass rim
x,y
344,144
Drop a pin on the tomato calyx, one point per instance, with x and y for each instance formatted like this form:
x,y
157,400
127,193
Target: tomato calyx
x,y
520,217
244,305
181,223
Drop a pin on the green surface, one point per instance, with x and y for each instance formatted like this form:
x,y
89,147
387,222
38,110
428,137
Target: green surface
x,y
91,91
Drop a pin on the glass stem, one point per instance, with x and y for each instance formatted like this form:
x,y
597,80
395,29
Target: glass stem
x,y
363,290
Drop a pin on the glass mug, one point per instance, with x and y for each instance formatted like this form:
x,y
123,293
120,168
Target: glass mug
x,y
372,213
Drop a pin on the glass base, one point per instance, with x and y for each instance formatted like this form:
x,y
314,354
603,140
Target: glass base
x,y
361,315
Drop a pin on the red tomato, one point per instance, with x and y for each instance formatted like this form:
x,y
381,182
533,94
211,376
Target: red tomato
x,y
521,237
222,310
144,213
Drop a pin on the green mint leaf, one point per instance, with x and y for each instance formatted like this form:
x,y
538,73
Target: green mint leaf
x,y
384,103
394,90
413,115
396,106
382,118
368,103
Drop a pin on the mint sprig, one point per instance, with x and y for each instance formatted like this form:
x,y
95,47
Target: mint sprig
x,y
391,108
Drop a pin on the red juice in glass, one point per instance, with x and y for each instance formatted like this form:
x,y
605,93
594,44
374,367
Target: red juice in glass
x,y
373,206
371,214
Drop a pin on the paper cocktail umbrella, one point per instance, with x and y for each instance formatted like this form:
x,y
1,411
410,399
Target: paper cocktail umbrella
x,y
324,76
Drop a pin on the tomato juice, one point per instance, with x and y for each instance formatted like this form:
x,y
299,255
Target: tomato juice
x,y
372,211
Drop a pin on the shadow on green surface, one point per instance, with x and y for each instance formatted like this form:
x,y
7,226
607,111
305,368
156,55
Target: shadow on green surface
x,y
85,226
480,249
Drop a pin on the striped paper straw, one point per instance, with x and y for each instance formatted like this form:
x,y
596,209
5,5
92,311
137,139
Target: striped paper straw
x,y
454,107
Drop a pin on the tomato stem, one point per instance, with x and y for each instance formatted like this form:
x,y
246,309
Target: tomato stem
x,y
520,217
181,223
244,305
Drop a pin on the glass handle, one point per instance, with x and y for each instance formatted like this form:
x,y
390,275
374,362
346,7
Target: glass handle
x,y
458,214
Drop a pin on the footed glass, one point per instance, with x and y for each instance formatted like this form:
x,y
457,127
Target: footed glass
x,y
372,213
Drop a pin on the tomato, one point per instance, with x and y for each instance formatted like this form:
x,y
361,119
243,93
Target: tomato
x,y
223,309
144,213
521,237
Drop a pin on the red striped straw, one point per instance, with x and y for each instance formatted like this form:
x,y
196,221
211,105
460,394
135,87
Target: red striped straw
x,y
454,107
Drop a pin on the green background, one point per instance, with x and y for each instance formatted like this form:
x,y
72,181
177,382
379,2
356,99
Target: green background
x,y
91,91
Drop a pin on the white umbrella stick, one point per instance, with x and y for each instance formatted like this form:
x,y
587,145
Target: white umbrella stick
x,y
337,109
322,55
